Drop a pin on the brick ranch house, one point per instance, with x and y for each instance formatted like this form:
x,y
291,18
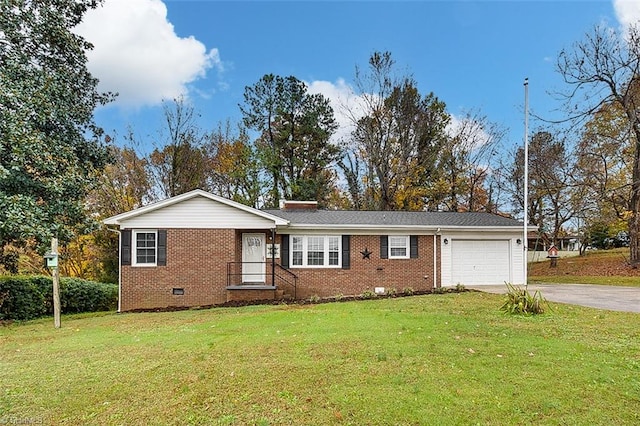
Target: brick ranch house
x,y
199,249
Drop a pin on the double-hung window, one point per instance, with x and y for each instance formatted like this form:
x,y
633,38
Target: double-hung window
x,y
315,251
398,247
145,248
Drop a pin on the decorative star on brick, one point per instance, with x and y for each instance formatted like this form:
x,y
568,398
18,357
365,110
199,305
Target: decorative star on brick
x,y
366,254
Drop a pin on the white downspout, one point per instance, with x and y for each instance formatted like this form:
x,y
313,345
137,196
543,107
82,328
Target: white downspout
x,y
119,266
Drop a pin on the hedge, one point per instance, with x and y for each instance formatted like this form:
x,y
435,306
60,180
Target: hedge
x,y
28,297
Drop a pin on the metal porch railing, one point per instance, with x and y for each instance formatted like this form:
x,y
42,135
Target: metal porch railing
x,y
274,275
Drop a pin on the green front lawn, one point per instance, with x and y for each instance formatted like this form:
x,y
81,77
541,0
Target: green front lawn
x,y
603,267
436,359
578,279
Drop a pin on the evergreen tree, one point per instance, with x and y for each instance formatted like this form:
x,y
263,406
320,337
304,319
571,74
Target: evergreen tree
x,y
50,150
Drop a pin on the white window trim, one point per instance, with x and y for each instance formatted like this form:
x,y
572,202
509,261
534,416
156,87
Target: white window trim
x,y
407,247
134,247
305,250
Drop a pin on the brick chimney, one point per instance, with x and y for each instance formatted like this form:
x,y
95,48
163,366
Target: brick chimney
x,y
298,205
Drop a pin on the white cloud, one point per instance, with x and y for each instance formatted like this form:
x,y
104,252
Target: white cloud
x,y
470,129
347,106
627,12
138,54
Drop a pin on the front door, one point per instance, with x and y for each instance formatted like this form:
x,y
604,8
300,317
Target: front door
x,y
253,258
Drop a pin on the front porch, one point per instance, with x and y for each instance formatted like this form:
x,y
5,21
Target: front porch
x,y
251,281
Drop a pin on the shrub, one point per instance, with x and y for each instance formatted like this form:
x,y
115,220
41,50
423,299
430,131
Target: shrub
x,y
519,301
21,299
391,292
78,295
368,294
29,297
407,291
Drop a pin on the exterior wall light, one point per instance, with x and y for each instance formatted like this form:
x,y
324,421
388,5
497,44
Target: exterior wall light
x,y
446,241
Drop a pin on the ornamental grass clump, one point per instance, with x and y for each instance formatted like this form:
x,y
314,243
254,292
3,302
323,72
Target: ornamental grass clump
x,y
518,301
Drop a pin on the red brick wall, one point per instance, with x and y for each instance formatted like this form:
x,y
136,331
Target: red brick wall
x,y
196,261
366,274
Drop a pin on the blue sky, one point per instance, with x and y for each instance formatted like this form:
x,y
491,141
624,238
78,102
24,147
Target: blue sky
x,y
474,55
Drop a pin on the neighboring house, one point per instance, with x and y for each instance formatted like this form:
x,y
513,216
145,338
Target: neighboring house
x,y
541,241
199,249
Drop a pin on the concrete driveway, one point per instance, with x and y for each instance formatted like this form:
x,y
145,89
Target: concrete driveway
x,y
612,298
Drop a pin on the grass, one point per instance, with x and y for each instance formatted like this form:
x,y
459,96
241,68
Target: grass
x,y
586,279
438,359
602,267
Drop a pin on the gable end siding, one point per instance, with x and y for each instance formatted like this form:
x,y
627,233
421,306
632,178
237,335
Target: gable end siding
x,y
197,213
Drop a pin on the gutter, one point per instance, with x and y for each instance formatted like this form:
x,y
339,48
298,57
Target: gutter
x,y
119,266
368,229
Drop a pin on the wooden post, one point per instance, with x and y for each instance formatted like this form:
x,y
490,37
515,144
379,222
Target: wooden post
x,y
56,285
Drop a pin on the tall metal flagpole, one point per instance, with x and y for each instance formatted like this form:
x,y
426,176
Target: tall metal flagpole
x,y
526,181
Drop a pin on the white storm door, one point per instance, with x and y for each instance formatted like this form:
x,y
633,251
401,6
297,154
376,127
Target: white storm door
x,y
253,258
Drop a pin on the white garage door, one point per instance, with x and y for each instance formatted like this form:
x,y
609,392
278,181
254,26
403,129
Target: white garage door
x,y
477,262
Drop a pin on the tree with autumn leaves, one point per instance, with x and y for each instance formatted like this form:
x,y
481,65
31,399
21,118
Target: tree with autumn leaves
x,y
603,75
397,139
406,151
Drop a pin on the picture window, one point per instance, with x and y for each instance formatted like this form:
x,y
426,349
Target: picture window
x,y
315,251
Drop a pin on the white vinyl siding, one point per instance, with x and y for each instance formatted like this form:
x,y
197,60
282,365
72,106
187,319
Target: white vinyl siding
x,y
198,212
315,251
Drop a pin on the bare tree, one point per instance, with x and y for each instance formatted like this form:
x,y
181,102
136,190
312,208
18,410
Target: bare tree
x,y
234,171
397,138
555,196
604,69
179,164
466,164
551,177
